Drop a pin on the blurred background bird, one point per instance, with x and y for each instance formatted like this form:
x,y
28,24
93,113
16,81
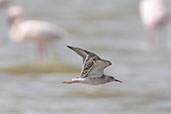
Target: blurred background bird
x,y
3,3
155,16
37,31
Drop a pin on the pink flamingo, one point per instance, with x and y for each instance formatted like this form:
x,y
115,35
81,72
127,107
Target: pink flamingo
x,y
154,15
39,32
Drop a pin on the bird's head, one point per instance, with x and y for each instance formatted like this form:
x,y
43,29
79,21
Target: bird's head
x,y
111,78
15,13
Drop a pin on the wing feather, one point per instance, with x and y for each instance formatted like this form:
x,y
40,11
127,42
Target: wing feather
x,y
83,53
92,64
98,68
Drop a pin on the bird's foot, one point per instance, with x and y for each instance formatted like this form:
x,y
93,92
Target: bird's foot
x,y
70,82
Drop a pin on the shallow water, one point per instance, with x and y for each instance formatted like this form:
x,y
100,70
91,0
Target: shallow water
x,y
110,28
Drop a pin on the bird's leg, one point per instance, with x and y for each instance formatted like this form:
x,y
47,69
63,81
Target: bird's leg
x,y
70,82
41,50
163,37
151,37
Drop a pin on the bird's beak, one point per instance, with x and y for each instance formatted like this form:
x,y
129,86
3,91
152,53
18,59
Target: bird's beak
x,y
118,80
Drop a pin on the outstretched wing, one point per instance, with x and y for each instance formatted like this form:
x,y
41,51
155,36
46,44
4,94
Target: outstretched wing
x,y
92,64
98,68
83,53
88,65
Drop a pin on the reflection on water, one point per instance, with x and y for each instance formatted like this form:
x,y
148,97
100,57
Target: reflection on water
x,y
110,28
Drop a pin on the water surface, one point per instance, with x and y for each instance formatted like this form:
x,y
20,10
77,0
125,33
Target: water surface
x,y
113,30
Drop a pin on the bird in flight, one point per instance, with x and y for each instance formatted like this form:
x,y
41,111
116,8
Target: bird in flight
x,y
92,69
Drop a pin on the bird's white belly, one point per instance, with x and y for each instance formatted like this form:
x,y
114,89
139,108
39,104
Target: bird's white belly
x,y
94,81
